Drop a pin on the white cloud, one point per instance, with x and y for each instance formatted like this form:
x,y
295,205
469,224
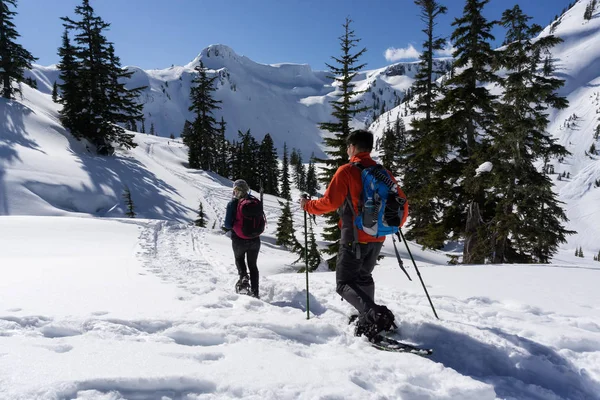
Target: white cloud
x,y
446,51
393,54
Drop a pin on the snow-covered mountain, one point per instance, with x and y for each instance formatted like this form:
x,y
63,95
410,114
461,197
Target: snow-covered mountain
x,y
97,307
286,100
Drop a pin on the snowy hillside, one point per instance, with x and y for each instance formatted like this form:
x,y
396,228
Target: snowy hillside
x,y
111,309
94,306
105,309
286,100
578,63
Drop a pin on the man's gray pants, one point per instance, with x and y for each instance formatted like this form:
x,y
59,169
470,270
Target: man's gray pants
x,y
352,273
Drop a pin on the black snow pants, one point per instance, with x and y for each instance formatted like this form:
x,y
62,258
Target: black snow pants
x,y
246,249
354,275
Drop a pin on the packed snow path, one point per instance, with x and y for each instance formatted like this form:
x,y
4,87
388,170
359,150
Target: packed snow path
x,y
153,315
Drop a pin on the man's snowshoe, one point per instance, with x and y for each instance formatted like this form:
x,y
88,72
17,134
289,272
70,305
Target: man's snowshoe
x,y
375,321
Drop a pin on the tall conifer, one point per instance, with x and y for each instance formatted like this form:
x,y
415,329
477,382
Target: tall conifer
x,y
528,222
423,152
285,175
14,59
345,107
468,107
204,131
94,95
268,166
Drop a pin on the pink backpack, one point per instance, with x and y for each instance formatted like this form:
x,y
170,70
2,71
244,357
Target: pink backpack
x,y
250,219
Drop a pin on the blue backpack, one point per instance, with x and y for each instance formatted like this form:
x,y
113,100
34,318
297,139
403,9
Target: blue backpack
x,y
380,209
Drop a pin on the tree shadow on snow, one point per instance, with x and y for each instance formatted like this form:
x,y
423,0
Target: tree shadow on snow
x,y
12,130
529,370
153,198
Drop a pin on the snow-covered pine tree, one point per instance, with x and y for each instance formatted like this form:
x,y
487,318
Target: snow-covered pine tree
x,y
268,165
14,58
222,150
284,233
69,88
314,256
247,155
201,220
589,10
55,92
285,175
204,128
423,150
345,106
468,110
100,101
129,203
527,225
312,183
299,172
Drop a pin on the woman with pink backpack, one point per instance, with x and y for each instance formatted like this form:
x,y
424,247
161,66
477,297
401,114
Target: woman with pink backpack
x,y
246,220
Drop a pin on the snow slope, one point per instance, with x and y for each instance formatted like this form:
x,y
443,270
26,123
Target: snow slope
x,y
139,309
110,308
93,306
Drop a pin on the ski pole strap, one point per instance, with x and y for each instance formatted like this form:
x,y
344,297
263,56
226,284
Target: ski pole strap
x,y
400,263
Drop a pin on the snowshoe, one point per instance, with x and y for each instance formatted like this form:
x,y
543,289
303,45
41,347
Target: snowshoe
x,y
242,286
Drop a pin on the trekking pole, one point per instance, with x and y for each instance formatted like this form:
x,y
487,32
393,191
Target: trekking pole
x,y
305,196
400,234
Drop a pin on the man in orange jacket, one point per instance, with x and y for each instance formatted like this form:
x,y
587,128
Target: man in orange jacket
x,y
358,250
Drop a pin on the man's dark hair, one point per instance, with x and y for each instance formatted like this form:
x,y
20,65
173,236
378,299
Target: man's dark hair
x,y
362,139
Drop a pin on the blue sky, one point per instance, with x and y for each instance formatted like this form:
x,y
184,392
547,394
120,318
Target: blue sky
x,y
158,33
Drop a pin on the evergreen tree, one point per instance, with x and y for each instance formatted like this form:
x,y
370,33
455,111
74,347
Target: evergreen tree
x,y
527,225
70,91
312,183
285,228
204,132
31,82
129,203
285,175
423,151
299,172
94,96
200,221
393,142
345,106
248,150
235,160
186,131
222,149
268,166
152,131
314,256
55,92
143,128
459,138
122,102
589,10
14,59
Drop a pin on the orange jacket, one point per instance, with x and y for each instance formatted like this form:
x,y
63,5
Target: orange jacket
x,y
347,179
